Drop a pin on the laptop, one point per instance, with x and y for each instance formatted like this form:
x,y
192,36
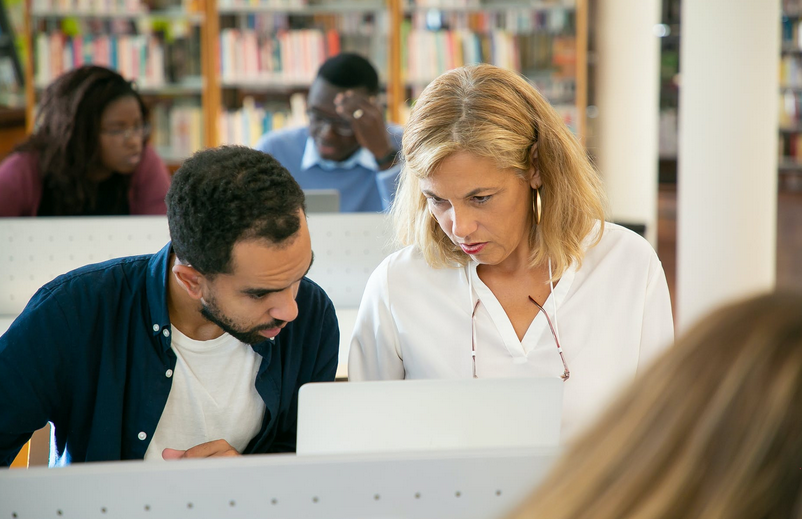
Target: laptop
x,y
322,200
428,415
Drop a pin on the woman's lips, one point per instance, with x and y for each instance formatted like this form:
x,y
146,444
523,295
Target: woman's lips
x,y
472,248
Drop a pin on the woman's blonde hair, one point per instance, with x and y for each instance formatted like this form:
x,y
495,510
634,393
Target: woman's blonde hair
x,y
713,430
496,114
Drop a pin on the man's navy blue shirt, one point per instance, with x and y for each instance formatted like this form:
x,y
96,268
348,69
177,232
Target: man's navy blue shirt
x,y
91,353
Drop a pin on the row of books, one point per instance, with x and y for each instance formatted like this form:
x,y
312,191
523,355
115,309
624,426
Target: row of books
x,y
790,116
427,54
262,4
89,6
290,57
246,125
430,53
286,57
791,33
791,71
790,148
489,4
521,20
147,59
177,129
113,7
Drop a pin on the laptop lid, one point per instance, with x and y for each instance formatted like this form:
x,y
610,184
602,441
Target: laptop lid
x,y
428,415
322,200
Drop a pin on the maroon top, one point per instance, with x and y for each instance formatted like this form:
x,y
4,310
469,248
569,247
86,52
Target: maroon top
x,y
21,185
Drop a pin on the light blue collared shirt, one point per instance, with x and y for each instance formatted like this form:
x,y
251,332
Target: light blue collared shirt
x,y
362,185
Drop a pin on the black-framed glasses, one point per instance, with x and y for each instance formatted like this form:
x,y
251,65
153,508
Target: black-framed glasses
x,y
338,125
141,131
566,373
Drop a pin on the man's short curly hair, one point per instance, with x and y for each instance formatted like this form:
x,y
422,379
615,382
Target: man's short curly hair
x,y
224,195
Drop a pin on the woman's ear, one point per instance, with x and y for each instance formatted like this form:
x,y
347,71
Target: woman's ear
x,y
189,279
534,172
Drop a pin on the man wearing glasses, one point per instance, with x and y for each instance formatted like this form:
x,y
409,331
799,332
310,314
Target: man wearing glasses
x,y
347,145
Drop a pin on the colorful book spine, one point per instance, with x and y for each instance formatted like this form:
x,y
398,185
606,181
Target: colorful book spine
x,y
246,125
286,57
139,57
177,129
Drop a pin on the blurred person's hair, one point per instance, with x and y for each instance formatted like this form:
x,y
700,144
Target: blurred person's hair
x,y
349,70
712,430
66,139
496,114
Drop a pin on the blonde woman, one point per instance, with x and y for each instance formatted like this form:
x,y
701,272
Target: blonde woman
x,y
509,269
711,431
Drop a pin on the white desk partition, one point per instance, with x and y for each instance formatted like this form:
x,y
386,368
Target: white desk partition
x,y
458,485
347,247
33,251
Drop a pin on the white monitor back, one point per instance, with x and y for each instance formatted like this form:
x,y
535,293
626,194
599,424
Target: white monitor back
x,y
428,415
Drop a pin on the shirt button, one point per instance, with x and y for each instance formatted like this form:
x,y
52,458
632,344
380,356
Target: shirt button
x,y
142,435
166,332
156,327
168,373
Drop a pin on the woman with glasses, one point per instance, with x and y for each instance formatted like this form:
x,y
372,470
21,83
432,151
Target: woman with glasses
x,y
509,269
711,430
88,154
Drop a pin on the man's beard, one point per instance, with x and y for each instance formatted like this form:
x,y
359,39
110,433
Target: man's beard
x,y
213,314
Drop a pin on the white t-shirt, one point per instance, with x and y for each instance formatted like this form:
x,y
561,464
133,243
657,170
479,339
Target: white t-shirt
x,y
613,315
212,395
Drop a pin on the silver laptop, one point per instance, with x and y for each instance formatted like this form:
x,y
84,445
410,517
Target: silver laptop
x,y
428,415
322,200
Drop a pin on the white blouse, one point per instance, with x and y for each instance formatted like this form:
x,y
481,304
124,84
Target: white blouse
x,y
613,316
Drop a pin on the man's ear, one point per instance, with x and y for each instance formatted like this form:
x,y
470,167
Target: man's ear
x,y
189,279
534,180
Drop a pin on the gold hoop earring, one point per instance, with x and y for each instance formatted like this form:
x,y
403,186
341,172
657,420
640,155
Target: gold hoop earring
x,y
537,207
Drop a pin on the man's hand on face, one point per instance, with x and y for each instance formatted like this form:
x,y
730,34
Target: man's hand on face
x,y
210,449
367,121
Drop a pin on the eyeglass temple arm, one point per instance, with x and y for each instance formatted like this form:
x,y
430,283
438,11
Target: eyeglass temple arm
x,y
566,373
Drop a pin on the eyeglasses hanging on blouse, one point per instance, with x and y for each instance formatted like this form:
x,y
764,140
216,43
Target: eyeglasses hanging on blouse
x,y
566,372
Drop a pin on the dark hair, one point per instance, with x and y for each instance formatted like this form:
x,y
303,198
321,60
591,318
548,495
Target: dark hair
x,y
223,195
67,137
348,70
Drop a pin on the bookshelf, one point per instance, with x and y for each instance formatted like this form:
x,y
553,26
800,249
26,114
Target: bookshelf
x,y
157,45
11,72
790,103
269,53
253,60
546,41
